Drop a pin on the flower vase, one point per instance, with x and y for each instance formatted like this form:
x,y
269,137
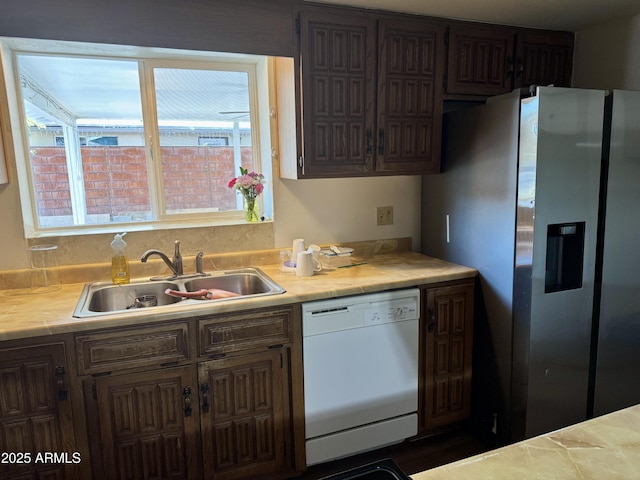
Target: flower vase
x,y
251,210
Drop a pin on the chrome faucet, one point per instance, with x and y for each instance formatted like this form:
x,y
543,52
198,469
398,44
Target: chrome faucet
x,y
175,265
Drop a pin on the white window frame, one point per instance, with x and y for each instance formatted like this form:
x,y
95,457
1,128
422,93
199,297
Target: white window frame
x,y
149,58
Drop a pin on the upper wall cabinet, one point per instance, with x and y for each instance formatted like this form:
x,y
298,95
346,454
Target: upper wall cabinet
x,y
543,58
491,60
371,102
480,60
338,63
370,85
409,96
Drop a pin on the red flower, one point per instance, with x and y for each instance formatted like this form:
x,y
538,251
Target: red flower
x,y
232,182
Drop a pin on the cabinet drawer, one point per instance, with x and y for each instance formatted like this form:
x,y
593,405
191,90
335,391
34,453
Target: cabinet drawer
x,y
121,348
231,333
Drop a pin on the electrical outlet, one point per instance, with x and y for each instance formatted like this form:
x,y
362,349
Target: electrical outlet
x,y
384,216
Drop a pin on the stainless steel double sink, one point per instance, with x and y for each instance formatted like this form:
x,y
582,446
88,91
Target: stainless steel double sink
x,y
100,298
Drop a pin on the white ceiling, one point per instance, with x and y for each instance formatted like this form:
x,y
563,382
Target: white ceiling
x,y
571,15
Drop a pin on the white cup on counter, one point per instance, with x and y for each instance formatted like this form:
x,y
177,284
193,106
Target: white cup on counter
x,y
306,265
297,247
315,251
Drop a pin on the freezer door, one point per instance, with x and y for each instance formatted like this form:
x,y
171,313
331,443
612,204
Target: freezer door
x,y
618,353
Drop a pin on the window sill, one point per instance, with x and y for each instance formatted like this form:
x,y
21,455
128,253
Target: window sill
x,y
141,227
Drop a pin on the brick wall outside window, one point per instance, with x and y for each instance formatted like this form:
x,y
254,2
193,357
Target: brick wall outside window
x,y
115,178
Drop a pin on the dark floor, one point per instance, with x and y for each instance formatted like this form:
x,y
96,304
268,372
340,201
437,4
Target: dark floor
x,y
411,457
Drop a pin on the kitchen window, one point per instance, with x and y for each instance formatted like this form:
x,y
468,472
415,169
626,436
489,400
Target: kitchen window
x,y
134,138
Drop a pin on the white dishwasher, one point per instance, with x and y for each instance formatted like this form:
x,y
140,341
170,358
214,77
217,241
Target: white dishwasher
x,y
360,372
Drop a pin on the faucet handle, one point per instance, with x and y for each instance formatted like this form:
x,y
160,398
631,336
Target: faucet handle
x,y
199,256
177,258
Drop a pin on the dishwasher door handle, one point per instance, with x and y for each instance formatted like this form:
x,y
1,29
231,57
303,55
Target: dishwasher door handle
x,y
328,311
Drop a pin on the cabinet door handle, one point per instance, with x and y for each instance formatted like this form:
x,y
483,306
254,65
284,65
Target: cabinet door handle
x,y
63,392
204,390
431,322
519,67
186,393
369,139
381,141
509,70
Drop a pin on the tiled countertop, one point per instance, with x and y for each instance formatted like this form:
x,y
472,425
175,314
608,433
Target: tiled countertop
x,y
29,315
603,447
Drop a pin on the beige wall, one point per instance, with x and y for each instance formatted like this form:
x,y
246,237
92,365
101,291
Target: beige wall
x,y
607,56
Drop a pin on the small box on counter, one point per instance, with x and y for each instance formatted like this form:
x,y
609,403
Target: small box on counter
x,y
335,257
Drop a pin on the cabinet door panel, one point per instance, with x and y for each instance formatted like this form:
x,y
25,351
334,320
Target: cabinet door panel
x,y
544,58
448,328
245,424
121,348
411,63
146,432
35,412
480,60
338,61
236,332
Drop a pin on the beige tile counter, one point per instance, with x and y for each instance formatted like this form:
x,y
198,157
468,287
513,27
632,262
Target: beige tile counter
x,y
606,447
24,315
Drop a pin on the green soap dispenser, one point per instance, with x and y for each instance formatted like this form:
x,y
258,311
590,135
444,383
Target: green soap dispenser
x,y
119,261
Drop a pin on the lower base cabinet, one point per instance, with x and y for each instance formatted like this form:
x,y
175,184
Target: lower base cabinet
x,y
225,412
447,348
242,416
155,424
148,428
36,426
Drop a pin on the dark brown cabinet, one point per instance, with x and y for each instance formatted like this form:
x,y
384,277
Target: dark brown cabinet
x,y
148,424
480,60
544,58
338,59
36,414
372,84
214,397
489,60
447,336
251,394
370,94
411,64
242,415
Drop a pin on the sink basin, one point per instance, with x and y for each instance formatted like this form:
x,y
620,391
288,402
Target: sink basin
x,y
241,282
100,298
109,298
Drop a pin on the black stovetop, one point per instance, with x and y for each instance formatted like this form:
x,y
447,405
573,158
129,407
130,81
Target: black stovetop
x,y
380,470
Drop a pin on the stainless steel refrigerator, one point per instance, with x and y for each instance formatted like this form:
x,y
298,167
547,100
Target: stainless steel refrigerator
x,y
541,195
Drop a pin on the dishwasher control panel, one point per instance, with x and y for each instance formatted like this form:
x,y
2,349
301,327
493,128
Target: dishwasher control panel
x,y
393,311
336,314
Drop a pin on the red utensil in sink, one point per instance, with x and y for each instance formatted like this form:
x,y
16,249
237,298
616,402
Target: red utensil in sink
x,y
203,294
